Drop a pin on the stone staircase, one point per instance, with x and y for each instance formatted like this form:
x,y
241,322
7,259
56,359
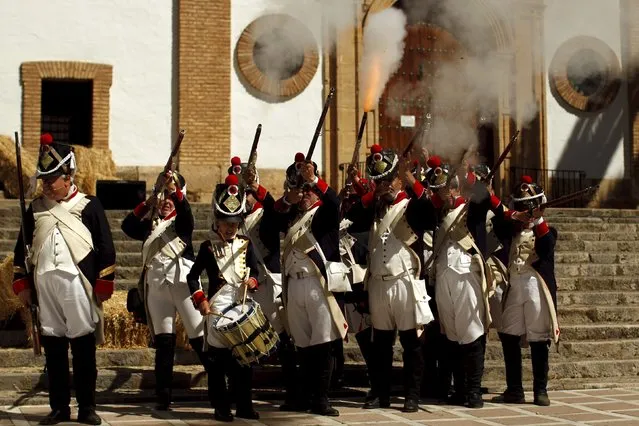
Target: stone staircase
x,y
597,262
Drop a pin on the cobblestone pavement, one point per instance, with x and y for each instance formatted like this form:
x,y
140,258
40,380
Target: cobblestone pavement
x,y
579,407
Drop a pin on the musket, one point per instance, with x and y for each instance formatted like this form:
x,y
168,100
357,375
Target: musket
x,y
169,166
320,124
33,307
256,139
358,144
502,157
569,197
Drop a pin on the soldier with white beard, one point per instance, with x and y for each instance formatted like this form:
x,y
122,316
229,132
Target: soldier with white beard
x,y
396,288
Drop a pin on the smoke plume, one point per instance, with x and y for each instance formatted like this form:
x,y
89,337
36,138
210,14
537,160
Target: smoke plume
x,y
383,51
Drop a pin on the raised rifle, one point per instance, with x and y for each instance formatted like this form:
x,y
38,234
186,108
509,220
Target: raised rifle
x,y
169,166
502,157
33,307
358,145
253,155
567,198
320,124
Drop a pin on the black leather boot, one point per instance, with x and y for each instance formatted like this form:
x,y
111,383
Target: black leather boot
x,y
382,362
197,345
539,355
474,369
458,396
164,358
366,348
321,357
413,369
56,352
514,393
290,375
337,352
242,379
219,365
445,352
85,374
430,377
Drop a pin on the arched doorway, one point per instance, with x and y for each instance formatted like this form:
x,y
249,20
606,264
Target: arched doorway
x,y
429,89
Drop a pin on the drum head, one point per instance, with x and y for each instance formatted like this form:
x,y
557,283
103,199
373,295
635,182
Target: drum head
x,y
234,314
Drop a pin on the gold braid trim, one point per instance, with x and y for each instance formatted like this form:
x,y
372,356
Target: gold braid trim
x,y
107,271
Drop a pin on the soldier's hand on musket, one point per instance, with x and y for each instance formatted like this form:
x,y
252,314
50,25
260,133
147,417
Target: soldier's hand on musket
x,y
521,216
405,172
250,175
353,173
308,171
25,297
293,196
537,213
204,307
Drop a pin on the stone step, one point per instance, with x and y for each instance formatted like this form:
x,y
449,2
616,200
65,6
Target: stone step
x,y
566,227
611,283
580,257
594,270
621,349
265,376
597,298
598,236
597,246
580,314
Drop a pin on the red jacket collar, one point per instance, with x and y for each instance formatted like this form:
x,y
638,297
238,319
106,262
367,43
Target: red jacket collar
x,y
256,207
170,215
401,195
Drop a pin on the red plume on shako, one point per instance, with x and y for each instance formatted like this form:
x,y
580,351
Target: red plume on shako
x,y
299,160
232,182
236,165
46,139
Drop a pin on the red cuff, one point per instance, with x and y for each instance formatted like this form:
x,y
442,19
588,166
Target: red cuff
x,y
260,195
254,281
198,297
140,210
459,201
367,199
177,196
541,229
418,189
471,178
508,213
437,201
20,285
359,188
321,185
103,287
494,201
281,206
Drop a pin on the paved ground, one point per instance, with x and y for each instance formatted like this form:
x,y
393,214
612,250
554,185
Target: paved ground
x,y
581,407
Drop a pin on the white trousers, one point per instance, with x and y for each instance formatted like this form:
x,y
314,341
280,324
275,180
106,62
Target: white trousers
x,y
460,304
392,304
526,311
267,296
495,304
65,310
164,300
223,299
308,314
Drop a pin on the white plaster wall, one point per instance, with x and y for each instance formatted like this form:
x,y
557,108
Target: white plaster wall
x,y
582,142
287,127
134,36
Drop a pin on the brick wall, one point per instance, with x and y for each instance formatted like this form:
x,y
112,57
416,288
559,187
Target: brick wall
x,y
204,104
630,9
31,76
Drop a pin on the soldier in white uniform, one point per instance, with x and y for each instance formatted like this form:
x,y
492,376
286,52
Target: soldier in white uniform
x,y
72,265
460,271
230,263
529,306
395,284
167,256
261,227
309,216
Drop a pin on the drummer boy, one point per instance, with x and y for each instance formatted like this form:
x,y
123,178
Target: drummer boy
x,y
232,269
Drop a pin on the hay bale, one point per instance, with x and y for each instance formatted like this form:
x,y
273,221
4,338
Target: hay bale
x,y
8,167
121,331
10,304
93,165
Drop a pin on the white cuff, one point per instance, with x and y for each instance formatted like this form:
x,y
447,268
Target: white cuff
x,y
538,221
314,181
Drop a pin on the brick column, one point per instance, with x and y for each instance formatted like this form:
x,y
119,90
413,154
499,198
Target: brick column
x,y
204,99
630,59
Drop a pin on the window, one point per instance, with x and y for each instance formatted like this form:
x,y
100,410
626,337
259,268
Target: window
x,y
67,110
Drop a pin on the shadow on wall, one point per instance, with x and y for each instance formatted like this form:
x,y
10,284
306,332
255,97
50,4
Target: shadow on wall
x,y
591,147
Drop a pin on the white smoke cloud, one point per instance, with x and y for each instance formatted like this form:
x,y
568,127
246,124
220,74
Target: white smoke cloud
x,y
384,35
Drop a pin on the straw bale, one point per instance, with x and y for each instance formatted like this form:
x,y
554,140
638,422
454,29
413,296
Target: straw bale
x,y
93,165
121,331
10,304
8,167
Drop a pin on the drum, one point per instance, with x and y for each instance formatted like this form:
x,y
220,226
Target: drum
x,y
249,335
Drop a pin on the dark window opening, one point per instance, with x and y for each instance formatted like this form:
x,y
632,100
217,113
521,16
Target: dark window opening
x,y
67,110
586,72
278,55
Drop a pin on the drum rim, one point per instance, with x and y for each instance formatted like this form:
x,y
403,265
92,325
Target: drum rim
x,y
251,308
